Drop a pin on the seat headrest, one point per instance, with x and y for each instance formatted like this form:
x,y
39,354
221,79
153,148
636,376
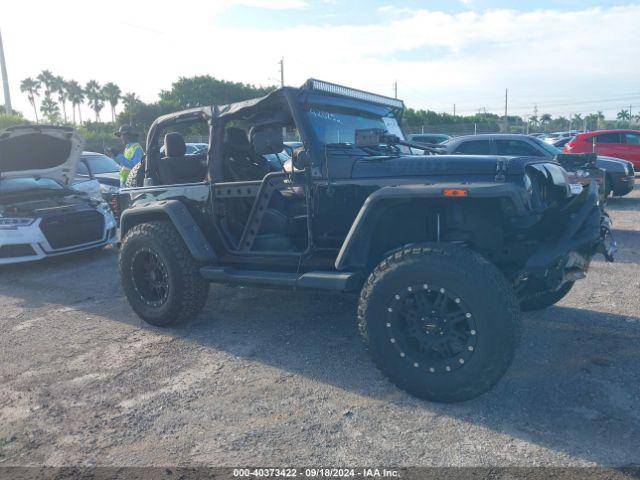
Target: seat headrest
x,y
174,145
267,140
236,137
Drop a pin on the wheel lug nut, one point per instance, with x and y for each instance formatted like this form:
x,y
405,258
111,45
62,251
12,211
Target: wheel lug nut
x,y
431,369
447,368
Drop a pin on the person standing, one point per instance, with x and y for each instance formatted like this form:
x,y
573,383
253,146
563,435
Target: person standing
x,y
132,154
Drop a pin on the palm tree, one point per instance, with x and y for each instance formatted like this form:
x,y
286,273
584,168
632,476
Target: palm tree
x,y
623,115
94,95
60,88
76,97
48,80
50,109
545,119
563,122
129,100
111,92
577,119
31,87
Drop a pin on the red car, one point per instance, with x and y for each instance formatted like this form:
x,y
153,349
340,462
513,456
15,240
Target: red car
x,y
623,144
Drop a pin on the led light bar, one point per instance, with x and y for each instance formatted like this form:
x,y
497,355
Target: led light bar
x,y
15,222
321,86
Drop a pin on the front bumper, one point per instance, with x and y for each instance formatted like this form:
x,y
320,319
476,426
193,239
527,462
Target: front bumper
x,y
567,257
623,184
29,244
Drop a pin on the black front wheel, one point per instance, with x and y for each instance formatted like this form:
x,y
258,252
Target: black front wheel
x,y
159,276
440,321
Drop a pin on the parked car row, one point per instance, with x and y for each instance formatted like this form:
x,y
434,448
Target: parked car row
x,y
618,178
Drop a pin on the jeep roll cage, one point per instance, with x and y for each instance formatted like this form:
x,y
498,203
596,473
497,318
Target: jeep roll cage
x,y
282,106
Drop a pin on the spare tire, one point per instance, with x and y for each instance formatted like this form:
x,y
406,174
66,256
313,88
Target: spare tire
x,y
136,176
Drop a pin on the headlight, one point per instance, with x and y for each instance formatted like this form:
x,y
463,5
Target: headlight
x,y
16,222
627,170
108,188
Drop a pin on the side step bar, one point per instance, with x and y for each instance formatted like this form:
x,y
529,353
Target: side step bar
x,y
341,281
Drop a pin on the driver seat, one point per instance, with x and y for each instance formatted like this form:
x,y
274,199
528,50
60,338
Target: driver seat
x,y
241,162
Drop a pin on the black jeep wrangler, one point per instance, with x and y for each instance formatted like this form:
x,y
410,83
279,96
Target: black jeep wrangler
x,y
444,251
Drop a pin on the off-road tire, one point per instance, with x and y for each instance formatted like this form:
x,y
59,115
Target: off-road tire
x,y
136,176
187,290
544,299
485,292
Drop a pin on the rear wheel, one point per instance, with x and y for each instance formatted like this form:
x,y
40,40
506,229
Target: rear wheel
x,y
159,276
440,321
544,299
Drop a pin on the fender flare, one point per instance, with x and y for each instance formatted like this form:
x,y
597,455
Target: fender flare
x,y
355,245
178,214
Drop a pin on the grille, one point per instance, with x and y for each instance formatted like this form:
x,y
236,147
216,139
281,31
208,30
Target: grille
x,y
72,229
19,250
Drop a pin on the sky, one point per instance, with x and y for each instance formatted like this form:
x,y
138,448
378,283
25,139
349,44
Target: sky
x,y
564,57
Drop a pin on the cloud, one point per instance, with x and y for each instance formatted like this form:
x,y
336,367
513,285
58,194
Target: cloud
x,y
271,4
394,10
438,58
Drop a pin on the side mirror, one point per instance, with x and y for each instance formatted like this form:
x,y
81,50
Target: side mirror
x,y
300,158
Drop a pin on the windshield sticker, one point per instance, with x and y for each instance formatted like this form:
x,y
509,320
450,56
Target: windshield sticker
x,y
324,115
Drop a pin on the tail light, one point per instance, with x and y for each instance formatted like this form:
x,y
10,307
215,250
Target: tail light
x,y
568,147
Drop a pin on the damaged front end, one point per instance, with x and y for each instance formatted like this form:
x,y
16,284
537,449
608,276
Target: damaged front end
x,y
585,230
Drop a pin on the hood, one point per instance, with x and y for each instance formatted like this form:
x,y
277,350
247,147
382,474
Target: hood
x,y
429,165
610,163
40,151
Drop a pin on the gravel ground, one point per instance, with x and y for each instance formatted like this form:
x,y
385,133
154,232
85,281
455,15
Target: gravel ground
x,y
265,377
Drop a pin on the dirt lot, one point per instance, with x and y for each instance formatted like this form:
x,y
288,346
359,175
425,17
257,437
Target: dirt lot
x,y
266,377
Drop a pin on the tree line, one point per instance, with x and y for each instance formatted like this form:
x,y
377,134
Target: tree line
x,y
426,119
51,96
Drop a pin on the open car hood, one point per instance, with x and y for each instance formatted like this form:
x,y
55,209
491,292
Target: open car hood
x,y
40,151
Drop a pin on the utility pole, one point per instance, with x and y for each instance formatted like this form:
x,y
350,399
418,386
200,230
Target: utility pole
x,y
506,103
395,89
284,129
454,109
630,106
5,79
